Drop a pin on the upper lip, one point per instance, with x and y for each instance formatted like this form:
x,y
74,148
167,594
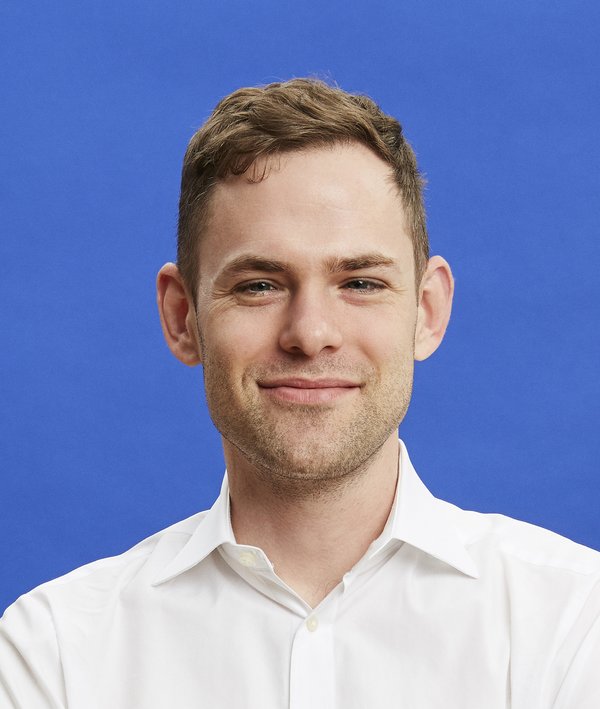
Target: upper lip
x,y
301,383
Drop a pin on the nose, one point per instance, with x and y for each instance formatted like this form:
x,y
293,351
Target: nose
x,y
312,324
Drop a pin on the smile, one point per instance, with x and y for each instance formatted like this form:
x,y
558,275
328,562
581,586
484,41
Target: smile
x,y
305,391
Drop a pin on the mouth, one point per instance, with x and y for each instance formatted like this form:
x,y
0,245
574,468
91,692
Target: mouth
x,y
308,391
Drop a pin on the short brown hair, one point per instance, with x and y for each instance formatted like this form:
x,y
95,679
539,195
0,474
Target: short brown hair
x,y
283,117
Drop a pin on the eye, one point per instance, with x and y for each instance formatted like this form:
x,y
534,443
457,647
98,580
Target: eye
x,y
363,285
255,288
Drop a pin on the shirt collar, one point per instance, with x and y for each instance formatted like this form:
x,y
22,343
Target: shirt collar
x,y
426,523
213,530
417,518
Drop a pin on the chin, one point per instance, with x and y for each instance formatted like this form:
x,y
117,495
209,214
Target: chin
x,y
314,462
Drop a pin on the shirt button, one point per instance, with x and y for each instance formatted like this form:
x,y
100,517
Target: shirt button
x,y
312,623
247,558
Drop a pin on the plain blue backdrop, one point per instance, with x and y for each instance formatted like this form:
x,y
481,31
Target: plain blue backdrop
x,y
104,436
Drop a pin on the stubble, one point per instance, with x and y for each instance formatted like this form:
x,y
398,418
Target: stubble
x,y
308,450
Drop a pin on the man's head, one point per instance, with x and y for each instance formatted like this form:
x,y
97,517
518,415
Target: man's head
x,y
295,115
299,299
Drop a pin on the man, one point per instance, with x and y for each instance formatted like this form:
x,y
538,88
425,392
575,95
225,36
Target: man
x,y
325,575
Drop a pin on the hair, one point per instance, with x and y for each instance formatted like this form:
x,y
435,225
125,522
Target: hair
x,y
283,117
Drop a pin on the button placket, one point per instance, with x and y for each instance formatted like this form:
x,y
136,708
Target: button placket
x,y
312,666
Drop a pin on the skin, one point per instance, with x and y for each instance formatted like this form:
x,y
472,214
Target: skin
x,y
307,320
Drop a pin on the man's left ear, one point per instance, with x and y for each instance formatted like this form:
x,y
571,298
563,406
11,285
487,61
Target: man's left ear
x,y
435,304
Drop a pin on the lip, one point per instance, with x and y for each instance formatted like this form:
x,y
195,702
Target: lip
x,y
308,391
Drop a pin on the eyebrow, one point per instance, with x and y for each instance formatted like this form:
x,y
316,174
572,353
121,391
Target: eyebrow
x,y
360,262
247,263
250,263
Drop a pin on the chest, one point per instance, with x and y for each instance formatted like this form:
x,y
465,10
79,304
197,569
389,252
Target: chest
x,y
388,642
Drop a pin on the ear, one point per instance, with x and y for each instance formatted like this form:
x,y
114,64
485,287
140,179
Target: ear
x,y
435,304
177,315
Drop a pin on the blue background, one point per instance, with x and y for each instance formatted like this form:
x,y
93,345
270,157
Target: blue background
x,y
104,436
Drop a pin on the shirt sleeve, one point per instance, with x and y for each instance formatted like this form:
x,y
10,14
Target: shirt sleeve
x,y
578,662
31,676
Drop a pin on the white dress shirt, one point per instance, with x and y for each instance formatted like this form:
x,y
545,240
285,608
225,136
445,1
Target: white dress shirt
x,y
447,609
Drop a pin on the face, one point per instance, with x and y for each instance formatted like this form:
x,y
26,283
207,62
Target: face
x,y
306,313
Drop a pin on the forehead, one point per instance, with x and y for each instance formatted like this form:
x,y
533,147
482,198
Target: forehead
x,y
322,202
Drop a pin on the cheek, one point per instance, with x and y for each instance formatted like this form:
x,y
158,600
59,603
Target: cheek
x,y
235,343
385,339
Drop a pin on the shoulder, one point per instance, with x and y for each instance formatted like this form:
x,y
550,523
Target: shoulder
x,y
538,572
547,588
522,543
36,629
94,581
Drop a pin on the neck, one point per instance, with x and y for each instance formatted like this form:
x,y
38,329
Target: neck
x,y
313,540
